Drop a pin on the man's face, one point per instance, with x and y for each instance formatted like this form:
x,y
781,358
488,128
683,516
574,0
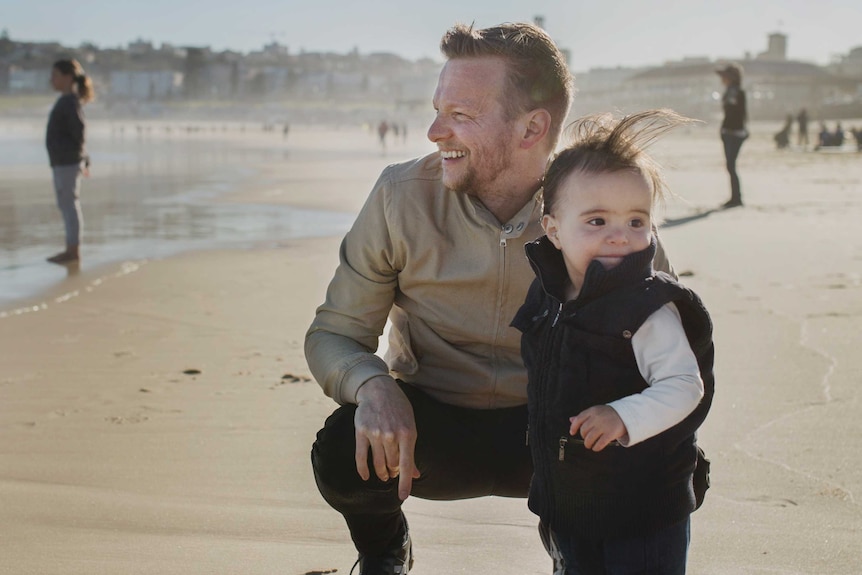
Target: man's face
x,y
475,138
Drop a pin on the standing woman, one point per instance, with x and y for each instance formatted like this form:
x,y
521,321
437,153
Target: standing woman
x,y
65,142
733,131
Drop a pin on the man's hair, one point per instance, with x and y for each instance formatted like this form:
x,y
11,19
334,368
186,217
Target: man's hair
x,y
599,145
537,70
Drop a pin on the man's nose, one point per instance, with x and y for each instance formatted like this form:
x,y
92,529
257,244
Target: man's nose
x,y
438,130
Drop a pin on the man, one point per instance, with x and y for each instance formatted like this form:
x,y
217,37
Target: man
x,y
438,248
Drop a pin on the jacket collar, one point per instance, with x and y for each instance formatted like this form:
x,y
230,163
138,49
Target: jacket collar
x,y
547,262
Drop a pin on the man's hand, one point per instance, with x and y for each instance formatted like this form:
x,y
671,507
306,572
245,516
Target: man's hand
x,y
384,422
599,425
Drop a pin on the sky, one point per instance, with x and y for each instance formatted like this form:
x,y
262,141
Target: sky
x,y
598,33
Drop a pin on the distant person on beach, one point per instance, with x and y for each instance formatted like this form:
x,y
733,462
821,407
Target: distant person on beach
x,y
65,139
824,137
382,130
827,139
782,138
617,385
802,122
838,136
733,130
437,250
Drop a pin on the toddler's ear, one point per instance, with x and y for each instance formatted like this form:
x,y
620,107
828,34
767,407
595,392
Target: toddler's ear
x,y
549,224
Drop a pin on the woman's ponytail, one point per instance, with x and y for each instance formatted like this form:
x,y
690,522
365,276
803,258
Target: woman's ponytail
x,y
86,93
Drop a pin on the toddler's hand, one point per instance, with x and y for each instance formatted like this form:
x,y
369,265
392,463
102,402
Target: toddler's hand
x,y
599,425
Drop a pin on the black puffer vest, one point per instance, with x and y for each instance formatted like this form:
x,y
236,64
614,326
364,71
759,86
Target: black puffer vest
x,y
578,354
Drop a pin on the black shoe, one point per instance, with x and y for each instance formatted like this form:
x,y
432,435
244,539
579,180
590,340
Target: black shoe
x,y
731,204
397,560
63,258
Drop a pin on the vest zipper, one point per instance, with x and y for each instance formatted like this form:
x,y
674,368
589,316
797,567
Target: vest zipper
x,y
542,384
557,317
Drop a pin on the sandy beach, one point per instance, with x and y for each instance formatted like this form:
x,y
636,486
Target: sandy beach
x,y
156,412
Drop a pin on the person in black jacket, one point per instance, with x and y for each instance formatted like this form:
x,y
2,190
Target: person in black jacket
x,y
733,130
802,120
65,139
619,360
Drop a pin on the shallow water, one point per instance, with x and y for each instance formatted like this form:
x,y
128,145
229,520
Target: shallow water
x,y
150,196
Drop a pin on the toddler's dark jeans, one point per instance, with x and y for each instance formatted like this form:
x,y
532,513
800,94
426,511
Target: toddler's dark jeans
x,y
661,553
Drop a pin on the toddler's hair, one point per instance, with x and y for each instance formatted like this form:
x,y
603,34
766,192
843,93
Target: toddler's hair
x,y
599,144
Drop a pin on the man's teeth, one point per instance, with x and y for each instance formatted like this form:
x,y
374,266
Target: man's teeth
x,y
452,154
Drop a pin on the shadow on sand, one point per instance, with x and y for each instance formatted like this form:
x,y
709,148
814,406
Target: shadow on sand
x,y
689,219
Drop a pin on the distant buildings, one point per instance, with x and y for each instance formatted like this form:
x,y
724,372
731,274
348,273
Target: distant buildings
x,y
144,73
775,86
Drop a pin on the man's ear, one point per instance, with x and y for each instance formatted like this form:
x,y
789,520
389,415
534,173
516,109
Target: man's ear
x,y
552,229
536,125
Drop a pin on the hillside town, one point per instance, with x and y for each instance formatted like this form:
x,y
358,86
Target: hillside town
x,y
776,85
143,79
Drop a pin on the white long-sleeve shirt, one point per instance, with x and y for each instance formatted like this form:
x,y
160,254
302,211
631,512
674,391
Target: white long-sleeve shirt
x,y
667,363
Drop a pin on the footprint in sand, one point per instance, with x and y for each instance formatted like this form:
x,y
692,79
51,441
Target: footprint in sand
x,y
772,501
290,378
120,420
837,493
62,413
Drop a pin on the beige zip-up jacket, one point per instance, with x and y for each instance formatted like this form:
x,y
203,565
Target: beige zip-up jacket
x,y
450,277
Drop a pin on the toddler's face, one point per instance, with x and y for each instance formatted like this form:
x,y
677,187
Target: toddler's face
x,y
600,217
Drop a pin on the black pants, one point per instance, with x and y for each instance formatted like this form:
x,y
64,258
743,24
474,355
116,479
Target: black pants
x,y
732,145
460,453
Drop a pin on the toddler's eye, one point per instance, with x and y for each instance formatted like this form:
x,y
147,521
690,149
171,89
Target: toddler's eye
x,y
637,223
596,222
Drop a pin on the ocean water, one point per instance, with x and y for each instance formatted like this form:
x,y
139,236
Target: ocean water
x,y
151,195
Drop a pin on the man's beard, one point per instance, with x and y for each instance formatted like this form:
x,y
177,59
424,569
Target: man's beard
x,y
472,183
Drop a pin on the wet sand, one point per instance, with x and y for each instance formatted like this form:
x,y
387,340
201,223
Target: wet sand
x,y
119,457
162,188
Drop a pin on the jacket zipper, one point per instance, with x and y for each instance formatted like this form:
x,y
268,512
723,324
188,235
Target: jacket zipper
x,y
540,392
498,321
564,440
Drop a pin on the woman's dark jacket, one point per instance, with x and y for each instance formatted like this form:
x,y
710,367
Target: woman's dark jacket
x,y
579,354
64,137
735,112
